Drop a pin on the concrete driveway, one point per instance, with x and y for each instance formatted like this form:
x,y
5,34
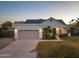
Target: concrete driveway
x,y
20,49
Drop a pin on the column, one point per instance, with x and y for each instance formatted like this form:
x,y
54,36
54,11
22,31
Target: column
x,y
16,33
40,33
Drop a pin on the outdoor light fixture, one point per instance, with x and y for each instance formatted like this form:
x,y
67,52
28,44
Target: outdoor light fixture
x,y
40,33
16,30
16,33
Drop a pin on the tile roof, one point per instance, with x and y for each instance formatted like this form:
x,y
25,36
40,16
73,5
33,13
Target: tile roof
x,y
61,21
34,21
37,21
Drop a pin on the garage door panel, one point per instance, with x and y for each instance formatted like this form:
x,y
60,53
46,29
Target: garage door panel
x,y
28,34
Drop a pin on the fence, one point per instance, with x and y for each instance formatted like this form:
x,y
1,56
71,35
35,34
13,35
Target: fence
x,y
7,34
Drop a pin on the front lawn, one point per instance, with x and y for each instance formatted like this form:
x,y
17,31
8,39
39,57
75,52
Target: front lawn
x,y
68,48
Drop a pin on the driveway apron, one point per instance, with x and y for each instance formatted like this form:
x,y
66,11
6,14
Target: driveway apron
x,y
20,49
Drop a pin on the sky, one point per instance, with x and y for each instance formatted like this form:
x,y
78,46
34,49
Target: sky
x,y
22,10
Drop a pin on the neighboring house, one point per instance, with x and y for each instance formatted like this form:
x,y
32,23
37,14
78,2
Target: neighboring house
x,y
33,28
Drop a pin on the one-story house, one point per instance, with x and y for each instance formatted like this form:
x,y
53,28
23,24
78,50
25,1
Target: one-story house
x,y
33,28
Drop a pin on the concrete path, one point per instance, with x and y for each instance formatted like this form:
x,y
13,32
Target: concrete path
x,y
20,49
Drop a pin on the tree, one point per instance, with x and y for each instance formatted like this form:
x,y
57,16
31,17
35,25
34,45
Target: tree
x,y
77,24
0,29
6,25
71,21
74,26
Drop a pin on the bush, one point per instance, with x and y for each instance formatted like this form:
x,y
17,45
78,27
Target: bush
x,y
48,37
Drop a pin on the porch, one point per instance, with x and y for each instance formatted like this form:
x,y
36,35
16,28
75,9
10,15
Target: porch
x,y
53,33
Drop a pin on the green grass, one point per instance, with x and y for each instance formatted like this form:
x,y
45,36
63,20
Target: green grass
x,y
68,48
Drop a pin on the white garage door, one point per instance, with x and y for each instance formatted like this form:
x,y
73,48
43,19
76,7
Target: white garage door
x,y
28,34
